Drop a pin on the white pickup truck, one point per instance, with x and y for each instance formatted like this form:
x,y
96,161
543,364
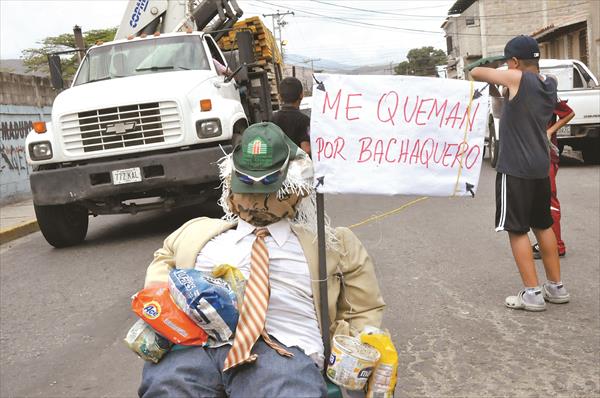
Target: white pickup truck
x,y
577,85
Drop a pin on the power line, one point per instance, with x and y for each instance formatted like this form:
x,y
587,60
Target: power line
x,y
439,16
312,62
278,23
386,27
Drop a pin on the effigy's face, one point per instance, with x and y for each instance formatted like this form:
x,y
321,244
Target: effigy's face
x,y
260,209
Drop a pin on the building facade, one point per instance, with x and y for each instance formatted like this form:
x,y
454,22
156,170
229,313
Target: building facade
x,y
565,29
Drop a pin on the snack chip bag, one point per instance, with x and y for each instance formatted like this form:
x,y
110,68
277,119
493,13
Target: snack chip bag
x,y
155,306
145,342
383,380
208,301
234,278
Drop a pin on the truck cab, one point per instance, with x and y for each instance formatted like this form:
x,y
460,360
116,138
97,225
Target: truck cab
x,y
141,127
140,95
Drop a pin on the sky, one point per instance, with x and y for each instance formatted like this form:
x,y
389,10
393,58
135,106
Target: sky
x,y
351,32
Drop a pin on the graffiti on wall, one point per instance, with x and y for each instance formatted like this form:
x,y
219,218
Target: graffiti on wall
x,y
12,146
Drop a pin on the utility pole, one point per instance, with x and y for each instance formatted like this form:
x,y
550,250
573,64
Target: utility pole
x,y
278,23
390,69
79,43
312,62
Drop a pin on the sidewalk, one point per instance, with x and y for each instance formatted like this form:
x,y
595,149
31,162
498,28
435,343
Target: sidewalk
x,y
17,220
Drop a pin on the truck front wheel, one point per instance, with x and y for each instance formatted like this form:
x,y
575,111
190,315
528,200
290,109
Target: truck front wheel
x,y
62,225
591,152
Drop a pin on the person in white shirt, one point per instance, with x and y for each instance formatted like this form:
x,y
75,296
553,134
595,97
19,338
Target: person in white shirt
x,y
267,184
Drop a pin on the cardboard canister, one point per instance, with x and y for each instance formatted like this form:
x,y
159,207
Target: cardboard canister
x,y
351,362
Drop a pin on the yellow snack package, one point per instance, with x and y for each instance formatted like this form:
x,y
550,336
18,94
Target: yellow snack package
x,y
383,380
234,277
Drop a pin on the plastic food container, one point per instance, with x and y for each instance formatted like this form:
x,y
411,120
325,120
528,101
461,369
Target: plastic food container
x,y
351,362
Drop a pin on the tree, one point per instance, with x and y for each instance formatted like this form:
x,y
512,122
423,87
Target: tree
x,y
36,59
421,62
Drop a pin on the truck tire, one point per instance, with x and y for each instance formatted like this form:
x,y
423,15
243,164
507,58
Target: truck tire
x,y
493,143
591,153
238,129
62,225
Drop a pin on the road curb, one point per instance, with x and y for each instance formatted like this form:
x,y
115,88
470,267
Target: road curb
x,y
18,231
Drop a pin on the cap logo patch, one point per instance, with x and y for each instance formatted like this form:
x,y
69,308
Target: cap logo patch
x,y
258,154
257,147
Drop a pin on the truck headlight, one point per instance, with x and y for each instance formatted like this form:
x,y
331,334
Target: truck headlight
x,y
40,150
208,128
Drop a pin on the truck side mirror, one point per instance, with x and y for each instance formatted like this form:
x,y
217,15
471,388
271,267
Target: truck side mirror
x,y
55,72
235,72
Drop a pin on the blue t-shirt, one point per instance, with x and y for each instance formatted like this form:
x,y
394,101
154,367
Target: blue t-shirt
x,y
524,147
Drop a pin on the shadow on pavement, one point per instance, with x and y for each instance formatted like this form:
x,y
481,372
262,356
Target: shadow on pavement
x,y
126,227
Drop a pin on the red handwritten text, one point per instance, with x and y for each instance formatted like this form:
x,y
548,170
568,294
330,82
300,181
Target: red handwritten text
x,y
424,152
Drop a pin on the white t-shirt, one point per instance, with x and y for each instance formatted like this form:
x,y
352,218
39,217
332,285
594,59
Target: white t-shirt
x,y
291,316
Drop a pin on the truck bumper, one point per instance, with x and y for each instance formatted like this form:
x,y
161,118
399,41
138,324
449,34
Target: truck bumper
x,y
94,181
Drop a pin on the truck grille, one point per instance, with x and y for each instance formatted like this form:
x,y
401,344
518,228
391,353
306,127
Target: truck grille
x,y
121,127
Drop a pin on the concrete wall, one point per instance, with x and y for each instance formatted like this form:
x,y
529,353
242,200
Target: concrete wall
x,y
594,37
303,74
501,20
23,100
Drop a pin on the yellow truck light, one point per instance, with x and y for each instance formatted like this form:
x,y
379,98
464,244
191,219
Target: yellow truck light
x,y
205,105
39,127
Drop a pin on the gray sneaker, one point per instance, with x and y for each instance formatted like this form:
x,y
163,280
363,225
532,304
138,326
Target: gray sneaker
x,y
555,293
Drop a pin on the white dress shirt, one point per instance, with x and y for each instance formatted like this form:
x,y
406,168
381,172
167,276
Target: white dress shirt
x,y
291,316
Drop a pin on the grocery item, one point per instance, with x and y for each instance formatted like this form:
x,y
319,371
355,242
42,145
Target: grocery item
x,y
383,380
145,342
155,306
351,362
208,301
234,278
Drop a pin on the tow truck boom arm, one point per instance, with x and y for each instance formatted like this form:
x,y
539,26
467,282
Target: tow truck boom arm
x,y
164,16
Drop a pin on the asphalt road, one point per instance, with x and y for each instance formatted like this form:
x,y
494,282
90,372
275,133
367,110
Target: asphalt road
x,y
443,271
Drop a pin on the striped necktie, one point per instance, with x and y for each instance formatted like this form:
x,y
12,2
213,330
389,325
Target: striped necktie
x,y
251,323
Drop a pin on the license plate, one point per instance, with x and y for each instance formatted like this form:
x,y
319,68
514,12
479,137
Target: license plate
x,y
126,176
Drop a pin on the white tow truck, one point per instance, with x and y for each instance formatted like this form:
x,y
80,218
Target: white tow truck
x,y
579,87
146,118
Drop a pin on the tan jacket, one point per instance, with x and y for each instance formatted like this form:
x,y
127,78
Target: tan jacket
x,y
355,298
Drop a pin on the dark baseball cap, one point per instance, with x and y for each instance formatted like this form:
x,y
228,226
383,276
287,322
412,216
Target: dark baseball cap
x,y
522,47
261,160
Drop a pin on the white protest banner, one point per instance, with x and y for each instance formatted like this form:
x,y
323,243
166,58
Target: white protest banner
x,y
397,135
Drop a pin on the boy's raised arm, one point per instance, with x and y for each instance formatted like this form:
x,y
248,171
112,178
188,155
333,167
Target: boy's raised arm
x,y
506,78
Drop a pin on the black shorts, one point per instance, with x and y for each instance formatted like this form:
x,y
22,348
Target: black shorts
x,y
522,203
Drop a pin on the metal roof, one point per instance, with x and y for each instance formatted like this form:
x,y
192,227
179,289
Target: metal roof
x,y
549,32
460,6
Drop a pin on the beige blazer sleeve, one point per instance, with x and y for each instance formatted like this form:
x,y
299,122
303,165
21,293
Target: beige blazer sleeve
x,y
182,246
359,302
164,260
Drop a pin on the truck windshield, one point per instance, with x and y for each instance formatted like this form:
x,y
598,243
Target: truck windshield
x,y
138,57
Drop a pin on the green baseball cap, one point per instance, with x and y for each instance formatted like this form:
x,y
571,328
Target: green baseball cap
x,y
260,161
